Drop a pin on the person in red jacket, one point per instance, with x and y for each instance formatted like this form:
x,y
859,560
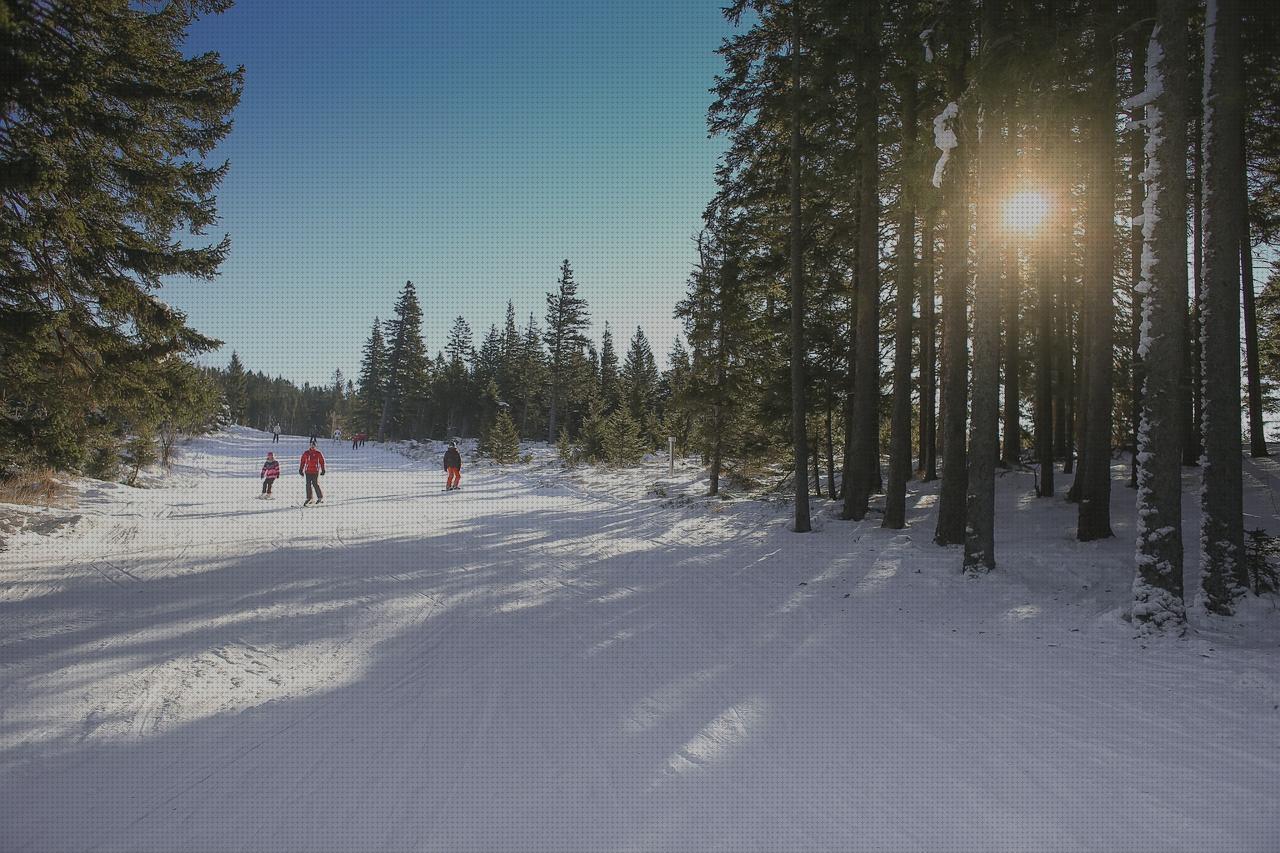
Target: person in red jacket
x,y
312,466
270,473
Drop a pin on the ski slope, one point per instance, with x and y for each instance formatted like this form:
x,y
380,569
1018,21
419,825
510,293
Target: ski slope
x,y
577,661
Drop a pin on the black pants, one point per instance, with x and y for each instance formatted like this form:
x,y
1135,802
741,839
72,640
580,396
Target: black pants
x,y
275,438
313,480
266,485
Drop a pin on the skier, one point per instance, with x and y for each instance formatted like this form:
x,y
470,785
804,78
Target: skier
x,y
337,435
270,473
453,464
312,466
275,433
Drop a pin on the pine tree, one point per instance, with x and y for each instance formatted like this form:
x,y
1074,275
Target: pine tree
x,y
1094,471
371,390
895,504
639,381
234,389
1224,577
1157,587
457,381
990,164
407,368
610,384
954,180
511,356
566,319
501,441
864,456
621,443
107,123
533,370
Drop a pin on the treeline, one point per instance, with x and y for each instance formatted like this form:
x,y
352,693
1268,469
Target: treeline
x,y
953,236
106,126
545,381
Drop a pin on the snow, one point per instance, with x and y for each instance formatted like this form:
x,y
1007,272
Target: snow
x,y
604,660
944,137
925,38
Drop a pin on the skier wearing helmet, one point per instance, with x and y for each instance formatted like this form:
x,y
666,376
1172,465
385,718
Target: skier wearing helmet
x,y
453,465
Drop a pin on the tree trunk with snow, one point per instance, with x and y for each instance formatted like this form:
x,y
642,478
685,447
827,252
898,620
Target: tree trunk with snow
x,y
1193,373
1157,586
984,438
928,354
1224,577
955,278
1011,357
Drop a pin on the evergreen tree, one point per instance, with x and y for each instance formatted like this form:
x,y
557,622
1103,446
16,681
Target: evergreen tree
x,y
1224,576
371,390
457,380
501,441
407,369
639,381
107,123
233,389
610,383
1157,587
566,318
533,370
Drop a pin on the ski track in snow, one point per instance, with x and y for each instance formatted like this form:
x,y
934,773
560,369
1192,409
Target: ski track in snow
x,y
551,660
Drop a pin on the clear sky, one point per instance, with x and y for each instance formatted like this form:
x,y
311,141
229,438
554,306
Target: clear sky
x,y
466,146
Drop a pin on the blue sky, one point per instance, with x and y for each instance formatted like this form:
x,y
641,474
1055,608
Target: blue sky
x,y
467,146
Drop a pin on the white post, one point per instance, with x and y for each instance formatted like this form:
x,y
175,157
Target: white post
x,y
671,456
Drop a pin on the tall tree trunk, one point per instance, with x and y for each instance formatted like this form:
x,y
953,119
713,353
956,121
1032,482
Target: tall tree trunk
x,y
1046,266
1253,373
1157,586
955,327
1041,265
984,438
1224,577
1193,402
831,459
1066,421
895,501
1011,356
798,433
928,354
1095,497
1137,63
866,383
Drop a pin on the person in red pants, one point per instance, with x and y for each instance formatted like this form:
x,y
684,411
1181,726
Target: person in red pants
x,y
453,464
312,466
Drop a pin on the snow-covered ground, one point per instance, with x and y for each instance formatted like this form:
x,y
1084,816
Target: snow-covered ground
x,y
582,660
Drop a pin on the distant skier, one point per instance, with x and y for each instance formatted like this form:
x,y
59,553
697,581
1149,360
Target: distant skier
x,y
270,473
275,433
311,465
337,435
453,464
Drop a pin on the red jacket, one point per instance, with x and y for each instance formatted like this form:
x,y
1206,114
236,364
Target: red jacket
x,y
271,469
312,462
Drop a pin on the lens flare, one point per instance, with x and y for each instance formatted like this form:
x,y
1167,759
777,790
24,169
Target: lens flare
x,y
1025,211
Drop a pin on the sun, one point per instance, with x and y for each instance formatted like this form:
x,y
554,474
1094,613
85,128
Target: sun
x,y
1024,211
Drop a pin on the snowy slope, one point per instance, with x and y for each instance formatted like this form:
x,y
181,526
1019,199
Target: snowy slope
x,y
579,661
